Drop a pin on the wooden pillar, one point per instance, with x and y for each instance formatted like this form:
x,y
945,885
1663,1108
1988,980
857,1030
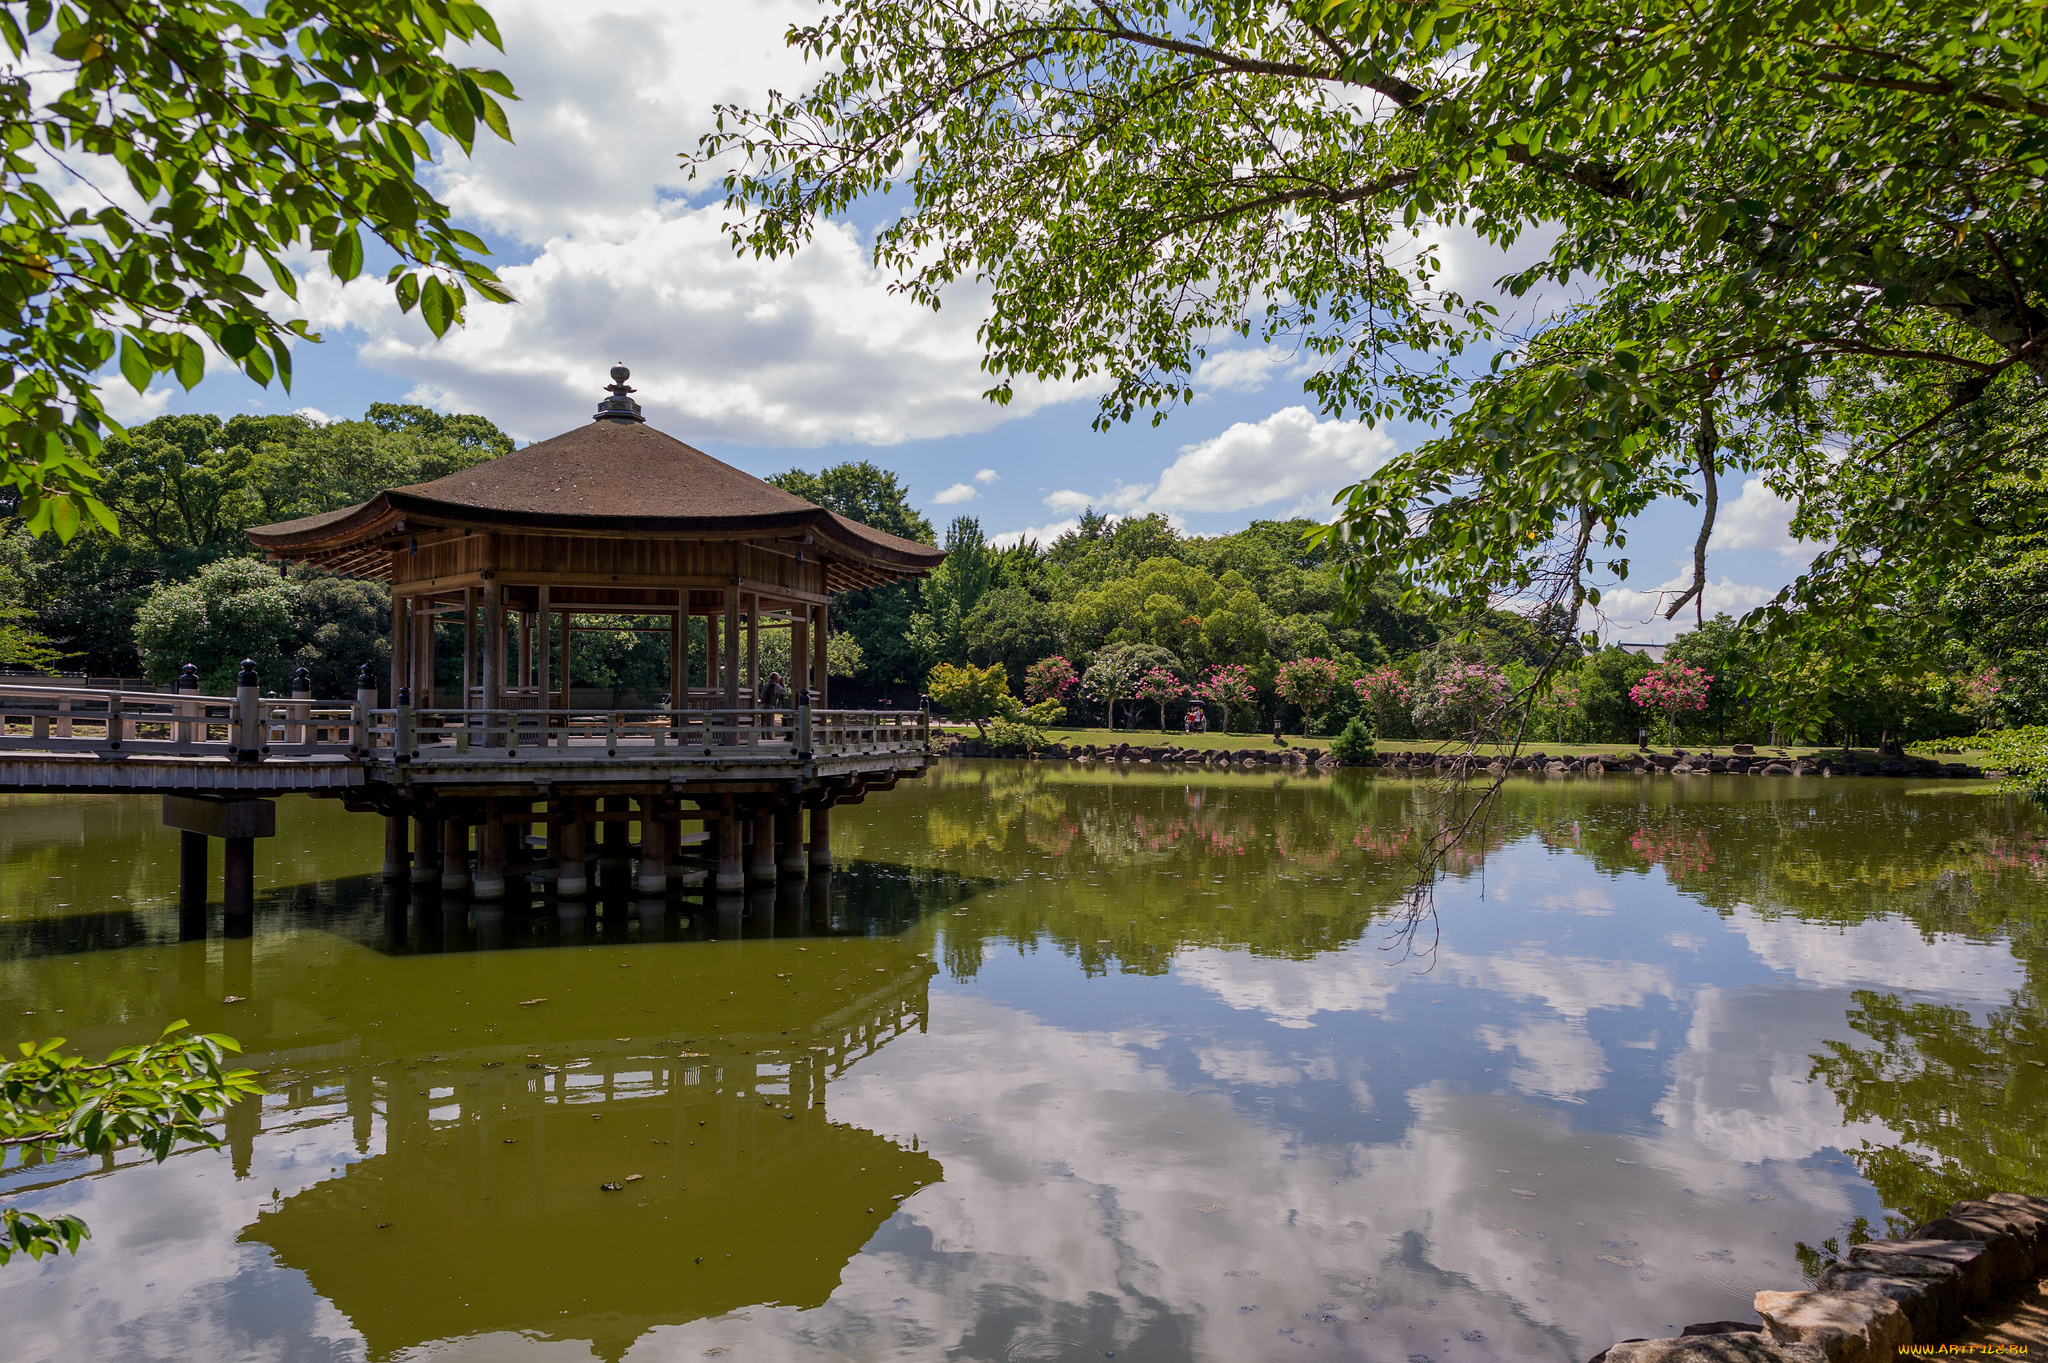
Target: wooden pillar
x,y
469,643
732,875
732,650
712,654
821,838
761,870
820,684
543,648
655,834
753,687
791,825
238,892
564,619
423,651
426,849
192,875
490,853
455,852
494,626
401,633
799,653
395,856
679,653
571,880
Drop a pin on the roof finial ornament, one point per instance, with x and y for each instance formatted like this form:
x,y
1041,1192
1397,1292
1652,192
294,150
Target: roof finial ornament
x,y
620,405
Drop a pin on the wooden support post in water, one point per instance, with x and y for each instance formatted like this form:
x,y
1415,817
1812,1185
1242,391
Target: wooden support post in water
x,y
732,874
490,853
655,834
791,822
612,852
426,850
821,839
762,871
192,878
396,860
571,880
455,853
238,891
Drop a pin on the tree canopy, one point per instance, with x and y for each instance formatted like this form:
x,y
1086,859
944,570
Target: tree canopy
x,y
1801,232
211,139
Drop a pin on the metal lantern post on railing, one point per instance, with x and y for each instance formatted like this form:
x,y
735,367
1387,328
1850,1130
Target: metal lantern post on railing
x,y
250,723
401,729
188,711
366,701
298,729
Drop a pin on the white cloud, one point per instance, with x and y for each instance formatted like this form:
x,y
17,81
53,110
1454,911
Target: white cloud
x,y
809,350
129,407
805,351
607,103
1288,456
1041,534
987,476
1758,519
1241,371
1638,617
959,492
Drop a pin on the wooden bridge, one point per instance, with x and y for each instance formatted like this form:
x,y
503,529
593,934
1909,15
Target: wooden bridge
x,y
747,775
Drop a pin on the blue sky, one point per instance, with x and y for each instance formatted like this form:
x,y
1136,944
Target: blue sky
x,y
616,256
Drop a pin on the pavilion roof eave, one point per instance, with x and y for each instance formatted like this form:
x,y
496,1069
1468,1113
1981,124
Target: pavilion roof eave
x,y
356,535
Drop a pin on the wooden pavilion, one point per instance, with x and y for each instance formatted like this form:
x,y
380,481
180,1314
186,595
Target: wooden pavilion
x,y
611,525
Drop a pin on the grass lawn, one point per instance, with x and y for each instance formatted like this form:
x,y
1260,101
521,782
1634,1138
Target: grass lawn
x,y
1151,738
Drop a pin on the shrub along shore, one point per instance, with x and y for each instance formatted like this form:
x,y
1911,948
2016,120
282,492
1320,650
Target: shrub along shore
x,y
1221,750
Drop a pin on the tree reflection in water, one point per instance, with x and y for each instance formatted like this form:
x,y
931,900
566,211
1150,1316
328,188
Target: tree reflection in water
x,y
1149,853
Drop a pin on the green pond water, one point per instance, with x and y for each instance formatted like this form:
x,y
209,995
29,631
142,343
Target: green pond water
x,y
1061,1063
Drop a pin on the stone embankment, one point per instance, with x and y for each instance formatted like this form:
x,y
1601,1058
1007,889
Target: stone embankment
x,y
1938,1286
1652,764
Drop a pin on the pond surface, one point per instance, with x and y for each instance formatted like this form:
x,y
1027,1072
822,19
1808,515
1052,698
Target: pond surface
x,y
1063,1063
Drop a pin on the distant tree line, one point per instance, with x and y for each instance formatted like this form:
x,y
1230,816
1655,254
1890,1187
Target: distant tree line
x,y
1118,617
180,583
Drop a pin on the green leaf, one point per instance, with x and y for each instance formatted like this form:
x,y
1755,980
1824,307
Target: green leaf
x,y
136,366
345,256
436,306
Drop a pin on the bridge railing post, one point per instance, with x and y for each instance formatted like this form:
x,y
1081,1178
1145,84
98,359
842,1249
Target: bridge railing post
x,y
359,715
401,730
116,721
803,724
188,711
299,726
250,727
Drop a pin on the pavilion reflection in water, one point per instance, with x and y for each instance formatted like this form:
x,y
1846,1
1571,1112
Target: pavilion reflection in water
x,y
480,1206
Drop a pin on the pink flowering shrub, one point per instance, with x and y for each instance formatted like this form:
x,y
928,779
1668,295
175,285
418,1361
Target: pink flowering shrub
x,y
1464,696
1049,679
1671,688
1308,684
1159,686
1228,685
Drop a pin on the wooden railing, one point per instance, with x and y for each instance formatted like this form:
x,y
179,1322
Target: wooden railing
x,y
181,723
57,719
425,736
